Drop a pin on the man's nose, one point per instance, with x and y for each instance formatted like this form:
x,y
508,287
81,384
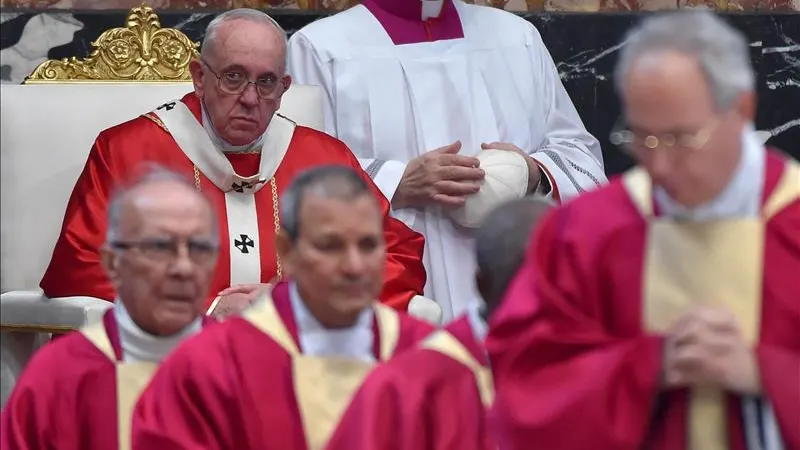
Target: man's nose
x,y
354,262
660,165
249,96
182,265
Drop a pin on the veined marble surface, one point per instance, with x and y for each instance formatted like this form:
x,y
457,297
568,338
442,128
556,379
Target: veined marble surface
x,y
584,47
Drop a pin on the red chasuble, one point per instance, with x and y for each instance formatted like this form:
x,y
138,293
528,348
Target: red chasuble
x,y
425,399
243,187
245,384
67,396
576,347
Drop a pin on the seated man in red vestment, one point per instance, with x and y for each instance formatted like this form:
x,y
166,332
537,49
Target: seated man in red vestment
x,y
661,312
78,392
436,396
241,154
280,376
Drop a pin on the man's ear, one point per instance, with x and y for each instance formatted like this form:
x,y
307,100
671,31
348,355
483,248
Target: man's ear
x,y
198,77
109,261
285,248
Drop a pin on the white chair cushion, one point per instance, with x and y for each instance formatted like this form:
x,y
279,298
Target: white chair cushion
x,y
46,131
32,310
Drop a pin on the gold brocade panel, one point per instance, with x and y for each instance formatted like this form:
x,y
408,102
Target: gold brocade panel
x,y
324,386
131,378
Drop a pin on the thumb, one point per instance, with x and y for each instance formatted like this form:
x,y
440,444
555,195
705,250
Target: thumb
x,y
450,149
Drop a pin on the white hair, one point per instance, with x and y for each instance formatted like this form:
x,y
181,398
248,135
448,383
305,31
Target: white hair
x,y
252,15
721,51
154,174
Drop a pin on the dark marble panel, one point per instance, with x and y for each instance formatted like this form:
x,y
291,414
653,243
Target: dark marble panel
x,y
584,47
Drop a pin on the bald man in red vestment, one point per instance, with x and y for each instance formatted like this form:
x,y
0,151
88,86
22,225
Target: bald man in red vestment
x,y
661,312
227,136
437,396
280,376
78,392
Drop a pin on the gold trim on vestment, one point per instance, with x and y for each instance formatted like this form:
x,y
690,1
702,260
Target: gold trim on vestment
x,y
714,263
276,212
131,380
323,386
446,344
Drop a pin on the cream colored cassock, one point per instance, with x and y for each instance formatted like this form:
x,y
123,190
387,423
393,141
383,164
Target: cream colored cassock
x,y
392,103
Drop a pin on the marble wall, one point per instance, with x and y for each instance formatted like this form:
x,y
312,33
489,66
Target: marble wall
x,y
332,5
584,47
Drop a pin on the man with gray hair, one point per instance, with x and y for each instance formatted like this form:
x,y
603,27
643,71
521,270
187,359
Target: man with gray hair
x,y
227,136
78,392
279,376
661,312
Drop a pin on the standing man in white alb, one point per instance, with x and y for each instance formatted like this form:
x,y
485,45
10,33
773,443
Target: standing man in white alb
x,y
416,88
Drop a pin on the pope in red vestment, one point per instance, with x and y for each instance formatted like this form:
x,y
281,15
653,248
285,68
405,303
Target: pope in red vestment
x,y
240,153
236,385
437,396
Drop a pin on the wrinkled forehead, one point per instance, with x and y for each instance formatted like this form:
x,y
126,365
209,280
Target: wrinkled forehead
x,y
254,47
667,90
359,215
177,212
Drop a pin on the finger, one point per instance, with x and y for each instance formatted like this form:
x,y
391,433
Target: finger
x,y
500,146
459,173
689,359
715,318
687,332
449,200
239,289
456,188
459,160
449,149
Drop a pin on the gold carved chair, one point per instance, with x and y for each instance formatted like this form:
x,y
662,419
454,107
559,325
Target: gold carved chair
x,y
48,125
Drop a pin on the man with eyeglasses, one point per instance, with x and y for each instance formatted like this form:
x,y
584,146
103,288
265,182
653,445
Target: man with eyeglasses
x,y
662,311
227,136
78,392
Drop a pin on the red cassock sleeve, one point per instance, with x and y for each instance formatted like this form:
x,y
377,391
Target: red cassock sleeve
x,y
421,400
779,365
75,265
405,272
25,420
190,404
780,379
562,381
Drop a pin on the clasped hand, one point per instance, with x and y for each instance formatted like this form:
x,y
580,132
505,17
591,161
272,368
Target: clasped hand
x,y
236,299
706,347
444,177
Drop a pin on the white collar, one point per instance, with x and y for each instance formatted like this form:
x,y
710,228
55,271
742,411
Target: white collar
x,y
141,346
740,198
355,341
221,143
